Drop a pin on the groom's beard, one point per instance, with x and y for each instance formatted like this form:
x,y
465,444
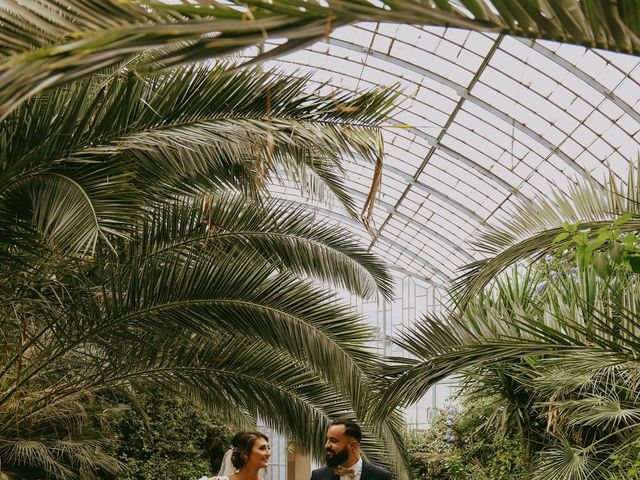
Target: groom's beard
x,y
334,459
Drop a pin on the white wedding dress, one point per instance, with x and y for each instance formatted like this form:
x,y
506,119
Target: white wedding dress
x,y
226,469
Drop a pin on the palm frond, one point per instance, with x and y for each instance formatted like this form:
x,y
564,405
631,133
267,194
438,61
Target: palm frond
x,y
45,44
284,234
510,321
242,296
73,208
530,230
234,294
88,153
240,374
59,458
566,462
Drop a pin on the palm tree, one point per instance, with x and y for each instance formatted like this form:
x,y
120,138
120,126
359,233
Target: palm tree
x,y
139,244
556,341
50,42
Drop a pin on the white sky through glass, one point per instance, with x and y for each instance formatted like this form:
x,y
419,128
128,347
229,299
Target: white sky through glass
x,y
485,121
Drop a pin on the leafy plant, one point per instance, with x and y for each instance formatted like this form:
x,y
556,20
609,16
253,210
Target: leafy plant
x,y
168,437
461,443
555,341
46,44
140,246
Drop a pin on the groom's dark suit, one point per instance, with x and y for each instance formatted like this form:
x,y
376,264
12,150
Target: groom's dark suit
x,y
369,472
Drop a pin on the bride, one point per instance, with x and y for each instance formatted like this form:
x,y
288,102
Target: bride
x,y
250,452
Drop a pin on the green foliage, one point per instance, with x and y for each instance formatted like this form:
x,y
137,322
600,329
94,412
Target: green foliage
x,y
601,248
174,438
460,445
555,339
626,462
45,45
139,245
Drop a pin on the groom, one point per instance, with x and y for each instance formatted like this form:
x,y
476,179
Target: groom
x,y
343,456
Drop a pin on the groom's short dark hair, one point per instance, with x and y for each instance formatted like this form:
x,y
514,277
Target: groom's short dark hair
x,y
351,428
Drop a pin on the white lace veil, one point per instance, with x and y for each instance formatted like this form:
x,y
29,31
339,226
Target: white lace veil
x,y
227,469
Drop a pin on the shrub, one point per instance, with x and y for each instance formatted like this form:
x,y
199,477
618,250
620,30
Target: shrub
x,y
177,439
459,445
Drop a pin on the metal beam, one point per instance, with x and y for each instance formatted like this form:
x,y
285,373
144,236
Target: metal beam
x,y
434,142
419,226
441,135
585,77
341,218
464,93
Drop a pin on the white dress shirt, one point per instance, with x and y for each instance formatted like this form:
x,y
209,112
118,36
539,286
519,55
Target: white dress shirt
x,y
357,470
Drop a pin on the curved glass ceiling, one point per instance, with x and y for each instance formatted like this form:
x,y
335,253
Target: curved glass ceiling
x,y
485,121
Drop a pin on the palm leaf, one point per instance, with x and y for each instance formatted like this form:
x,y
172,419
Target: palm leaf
x,y
567,462
234,294
76,160
246,372
226,367
278,231
45,45
530,230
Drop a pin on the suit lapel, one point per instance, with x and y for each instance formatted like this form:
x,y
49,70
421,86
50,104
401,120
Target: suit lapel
x,y
364,474
330,475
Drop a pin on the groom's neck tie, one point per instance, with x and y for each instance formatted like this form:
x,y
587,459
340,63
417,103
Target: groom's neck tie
x,y
349,472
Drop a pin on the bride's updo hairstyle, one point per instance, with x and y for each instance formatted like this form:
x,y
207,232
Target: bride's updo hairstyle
x,y
242,443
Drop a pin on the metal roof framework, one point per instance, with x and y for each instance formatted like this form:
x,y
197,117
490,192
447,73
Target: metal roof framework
x,y
485,121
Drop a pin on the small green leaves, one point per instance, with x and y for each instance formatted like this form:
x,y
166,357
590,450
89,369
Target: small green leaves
x,y
600,264
600,248
622,219
634,263
616,251
570,227
560,237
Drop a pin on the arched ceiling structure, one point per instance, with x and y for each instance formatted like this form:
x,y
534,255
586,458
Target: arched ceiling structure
x,y
485,121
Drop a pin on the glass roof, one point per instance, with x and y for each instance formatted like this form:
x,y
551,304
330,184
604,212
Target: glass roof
x,y
485,121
